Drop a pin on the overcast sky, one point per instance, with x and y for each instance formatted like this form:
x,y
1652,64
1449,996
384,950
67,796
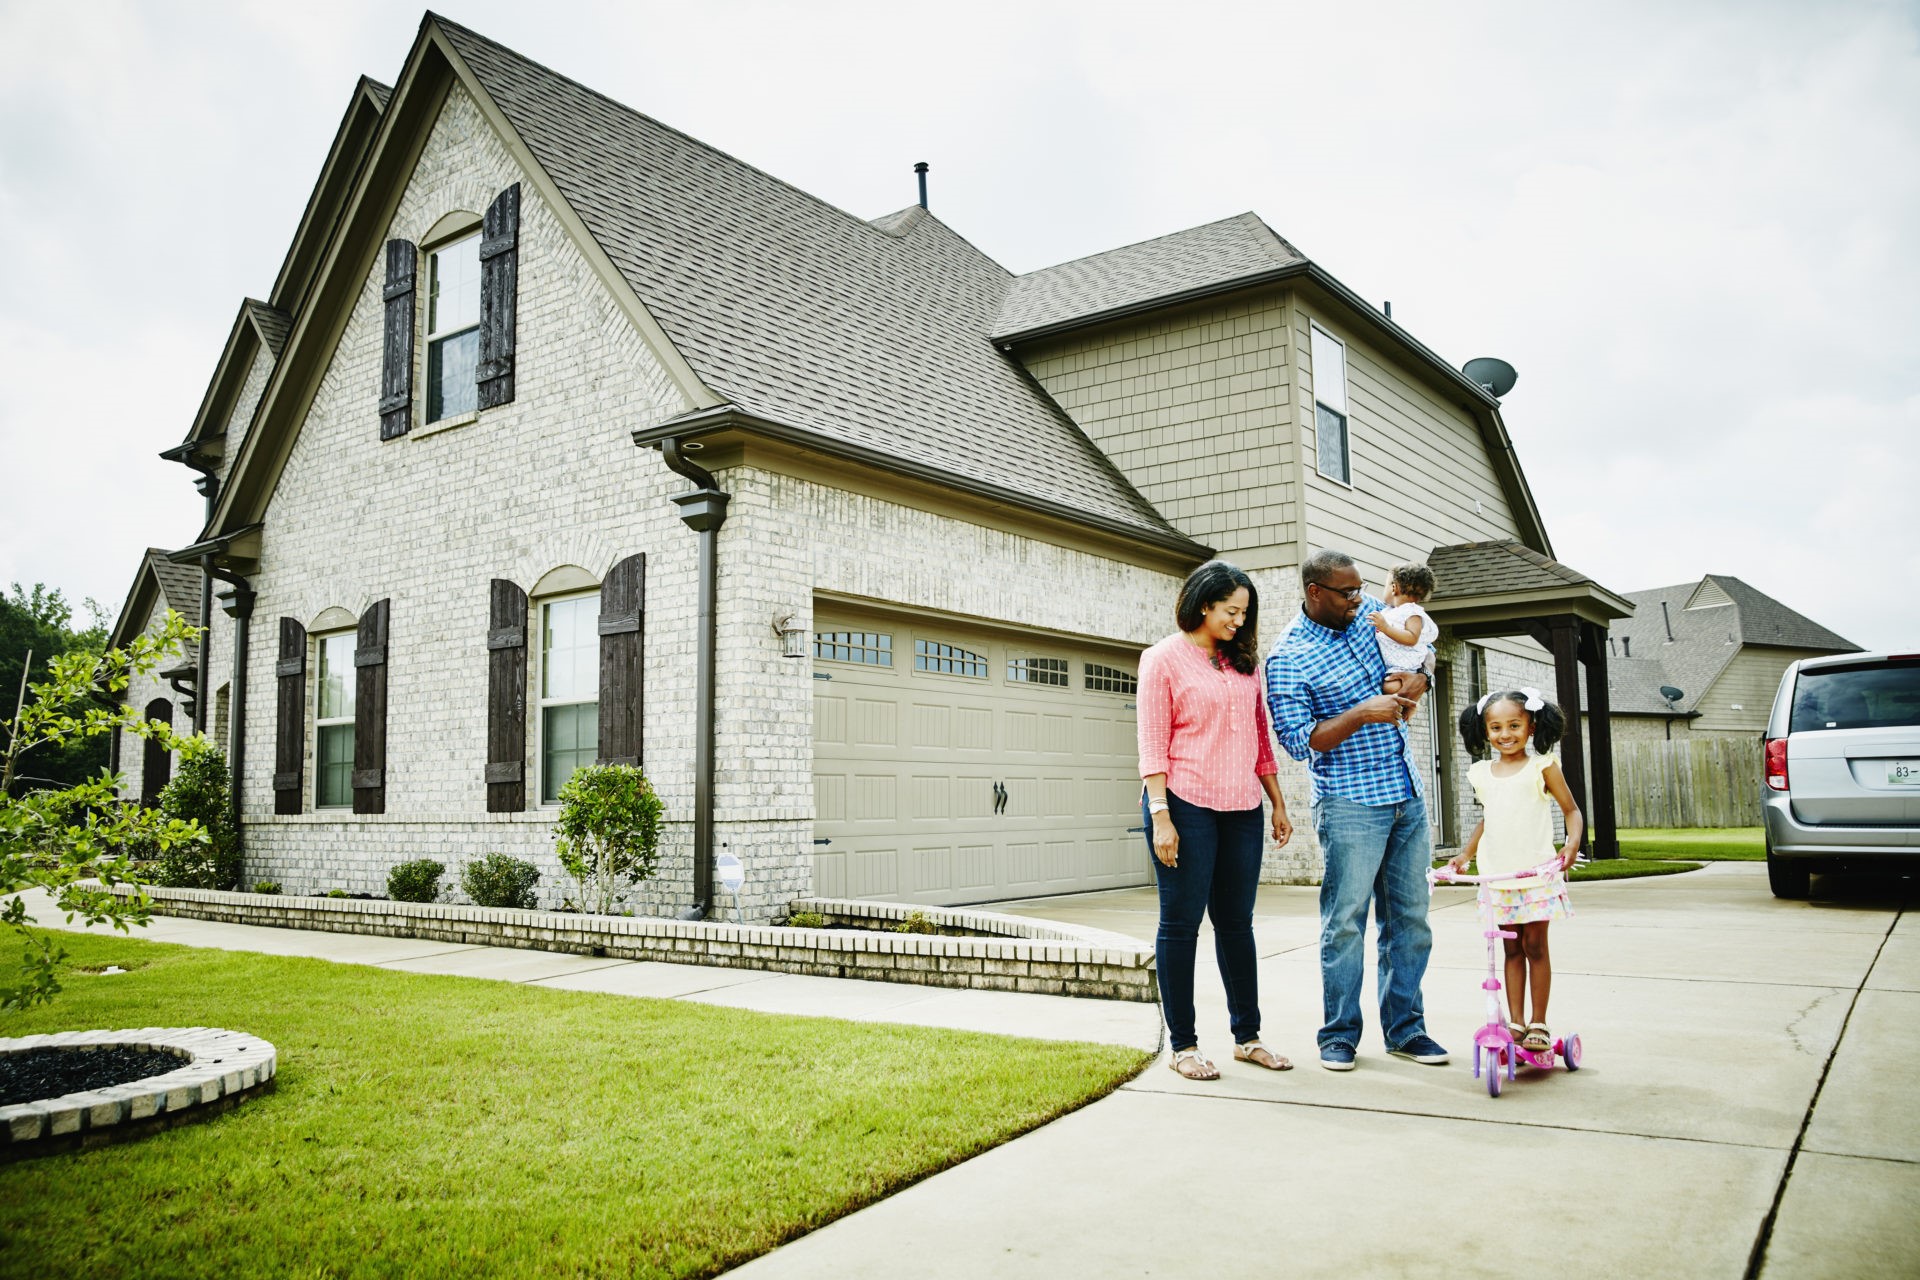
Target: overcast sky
x,y
1691,227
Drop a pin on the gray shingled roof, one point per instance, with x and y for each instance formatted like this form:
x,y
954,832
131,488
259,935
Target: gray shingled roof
x,y
1491,568
274,325
179,583
1198,258
159,580
1704,641
798,312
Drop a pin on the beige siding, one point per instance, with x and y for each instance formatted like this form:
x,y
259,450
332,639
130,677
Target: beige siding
x,y
1741,696
1419,465
1193,409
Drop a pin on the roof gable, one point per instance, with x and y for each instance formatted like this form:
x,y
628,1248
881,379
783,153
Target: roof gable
x,y
158,581
798,312
331,190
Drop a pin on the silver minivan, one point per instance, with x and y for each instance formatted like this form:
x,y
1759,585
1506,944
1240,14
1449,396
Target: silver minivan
x,y
1842,767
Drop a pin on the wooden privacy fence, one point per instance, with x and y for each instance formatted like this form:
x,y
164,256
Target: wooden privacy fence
x,y
1693,782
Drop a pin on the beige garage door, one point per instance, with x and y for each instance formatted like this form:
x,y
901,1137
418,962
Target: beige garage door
x,y
961,765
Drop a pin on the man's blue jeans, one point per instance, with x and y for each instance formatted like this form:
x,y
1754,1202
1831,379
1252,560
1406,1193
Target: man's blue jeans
x,y
1377,853
1217,876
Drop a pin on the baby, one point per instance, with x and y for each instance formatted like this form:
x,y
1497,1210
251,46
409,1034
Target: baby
x,y
1406,630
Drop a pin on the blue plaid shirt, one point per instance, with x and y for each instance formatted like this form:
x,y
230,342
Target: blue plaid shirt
x,y
1314,673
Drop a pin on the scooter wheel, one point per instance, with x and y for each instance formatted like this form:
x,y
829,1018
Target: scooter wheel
x,y
1493,1073
1572,1053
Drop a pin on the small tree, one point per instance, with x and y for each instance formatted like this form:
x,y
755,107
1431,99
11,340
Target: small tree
x,y
201,791
608,832
57,839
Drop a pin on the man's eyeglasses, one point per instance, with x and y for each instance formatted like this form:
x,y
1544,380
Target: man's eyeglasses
x,y
1351,593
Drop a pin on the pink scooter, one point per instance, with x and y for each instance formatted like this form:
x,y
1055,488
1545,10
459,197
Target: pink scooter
x,y
1494,1048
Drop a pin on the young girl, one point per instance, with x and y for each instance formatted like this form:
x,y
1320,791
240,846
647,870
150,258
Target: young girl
x,y
1514,789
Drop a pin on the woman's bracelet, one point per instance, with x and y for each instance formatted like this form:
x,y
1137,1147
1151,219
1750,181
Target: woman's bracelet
x,y
1156,806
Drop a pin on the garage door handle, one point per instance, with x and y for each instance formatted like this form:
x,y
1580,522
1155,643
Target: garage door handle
x,y
823,841
1135,830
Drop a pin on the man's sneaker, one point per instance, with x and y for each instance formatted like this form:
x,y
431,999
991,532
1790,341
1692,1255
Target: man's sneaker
x,y
1424,1050
1337,1056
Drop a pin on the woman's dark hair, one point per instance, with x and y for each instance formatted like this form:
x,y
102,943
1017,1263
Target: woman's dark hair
x,y
1548,724
1211,583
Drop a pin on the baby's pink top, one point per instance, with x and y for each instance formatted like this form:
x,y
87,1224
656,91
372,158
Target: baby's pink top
x,y
1203,727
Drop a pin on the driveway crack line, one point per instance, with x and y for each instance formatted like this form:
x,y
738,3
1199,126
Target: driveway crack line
x,y
1762,1238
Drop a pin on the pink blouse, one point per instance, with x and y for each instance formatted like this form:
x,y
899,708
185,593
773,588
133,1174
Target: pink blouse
x,y
1203,727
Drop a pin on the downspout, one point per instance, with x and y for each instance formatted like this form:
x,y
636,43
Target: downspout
x,y
209,486
237,601
703,511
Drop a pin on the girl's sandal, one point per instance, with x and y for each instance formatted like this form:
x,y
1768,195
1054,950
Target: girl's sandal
x,y
1517,1031
1538,1039
1192,1064
1260,1056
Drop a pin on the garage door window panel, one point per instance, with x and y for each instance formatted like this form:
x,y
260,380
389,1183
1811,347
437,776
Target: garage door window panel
x,y
1048,671
948,660
1103,679
864,648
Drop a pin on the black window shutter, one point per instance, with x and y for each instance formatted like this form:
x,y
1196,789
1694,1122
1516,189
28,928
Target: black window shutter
x,y
370,711
506,698
290,726
623,612
499,289
156,765
396,371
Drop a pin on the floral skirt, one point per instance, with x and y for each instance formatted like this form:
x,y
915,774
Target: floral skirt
x,y
1526,905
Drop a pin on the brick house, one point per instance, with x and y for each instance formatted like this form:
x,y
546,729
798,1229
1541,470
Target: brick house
x,y
562,436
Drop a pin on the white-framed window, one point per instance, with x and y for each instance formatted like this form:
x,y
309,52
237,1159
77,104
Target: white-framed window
x,y
1104,679
1332,453
948,660
333,721
1025,670
869,648
569,684
453,328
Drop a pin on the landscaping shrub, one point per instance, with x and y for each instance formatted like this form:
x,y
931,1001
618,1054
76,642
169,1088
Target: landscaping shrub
x,y
916,922
416,881
499,881
608,832
266,886
807,920
200,792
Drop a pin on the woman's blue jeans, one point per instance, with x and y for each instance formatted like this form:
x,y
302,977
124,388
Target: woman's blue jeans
x,y
1378,854
1217,876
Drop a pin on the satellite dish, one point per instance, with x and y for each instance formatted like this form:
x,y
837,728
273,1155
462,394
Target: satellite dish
x,y
1497,376
1670,693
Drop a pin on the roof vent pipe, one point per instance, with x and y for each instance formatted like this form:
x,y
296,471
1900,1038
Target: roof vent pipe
x,y
1668,619
921,170
1389,307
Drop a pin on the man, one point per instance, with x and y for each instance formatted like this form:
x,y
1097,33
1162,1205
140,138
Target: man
x,y
1369,811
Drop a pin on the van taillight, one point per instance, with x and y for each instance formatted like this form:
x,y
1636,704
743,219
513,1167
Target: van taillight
x,y
1777,763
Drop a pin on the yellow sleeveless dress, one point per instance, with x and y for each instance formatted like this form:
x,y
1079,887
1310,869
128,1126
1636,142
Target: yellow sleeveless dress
x,y
1519,835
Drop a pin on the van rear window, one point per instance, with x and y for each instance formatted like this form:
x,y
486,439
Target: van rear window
x,y
1881,695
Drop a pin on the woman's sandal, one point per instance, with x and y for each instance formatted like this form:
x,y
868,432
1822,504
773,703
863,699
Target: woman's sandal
x,y
1192,1064
1538,1039
1251,1051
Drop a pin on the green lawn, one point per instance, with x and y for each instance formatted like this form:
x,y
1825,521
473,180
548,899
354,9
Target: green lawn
x,y
1711,844
1627,868
438,1126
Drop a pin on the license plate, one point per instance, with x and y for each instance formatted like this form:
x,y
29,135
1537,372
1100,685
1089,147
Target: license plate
x,y
1903,773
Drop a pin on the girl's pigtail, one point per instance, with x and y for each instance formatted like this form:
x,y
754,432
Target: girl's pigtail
x,y
1473,731
1548,724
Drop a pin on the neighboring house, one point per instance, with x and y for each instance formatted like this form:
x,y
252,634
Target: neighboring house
x,y
167,693
564,437
1721,644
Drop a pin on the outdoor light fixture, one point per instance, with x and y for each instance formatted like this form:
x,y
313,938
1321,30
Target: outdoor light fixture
x,y
793,635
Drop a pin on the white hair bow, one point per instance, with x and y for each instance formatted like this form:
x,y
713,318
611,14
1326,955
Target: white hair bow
x,y
1481,706
1534,700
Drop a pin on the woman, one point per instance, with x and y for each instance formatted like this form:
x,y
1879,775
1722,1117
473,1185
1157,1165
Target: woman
x,y
1205,757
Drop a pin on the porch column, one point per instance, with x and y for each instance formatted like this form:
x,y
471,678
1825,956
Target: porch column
x,y
1604,837
1566,671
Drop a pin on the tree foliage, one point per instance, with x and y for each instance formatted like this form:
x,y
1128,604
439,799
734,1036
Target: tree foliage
x,y
40,623
73,842
608,832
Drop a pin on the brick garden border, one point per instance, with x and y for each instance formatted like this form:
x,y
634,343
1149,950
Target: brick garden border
x,y
1044,957
218,1067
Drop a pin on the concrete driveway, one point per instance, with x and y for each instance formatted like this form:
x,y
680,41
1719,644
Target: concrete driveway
x,y
1746,1108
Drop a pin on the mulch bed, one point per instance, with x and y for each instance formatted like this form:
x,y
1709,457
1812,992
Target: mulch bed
x,y
35,1074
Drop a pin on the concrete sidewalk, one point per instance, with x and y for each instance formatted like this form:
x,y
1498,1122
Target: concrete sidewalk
x,y
1710,1013
1749,1075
